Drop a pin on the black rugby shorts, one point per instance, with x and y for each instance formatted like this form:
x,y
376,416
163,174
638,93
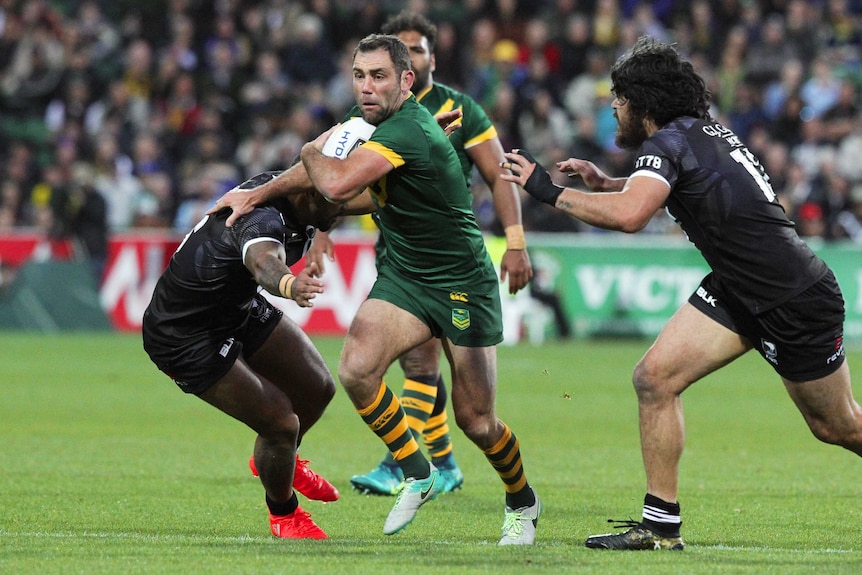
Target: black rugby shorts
x,y
196,364
802,338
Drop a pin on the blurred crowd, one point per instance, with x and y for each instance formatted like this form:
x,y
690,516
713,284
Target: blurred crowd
x,y
120,114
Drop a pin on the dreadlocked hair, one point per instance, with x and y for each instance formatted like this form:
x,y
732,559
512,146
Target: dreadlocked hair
x,y
658,84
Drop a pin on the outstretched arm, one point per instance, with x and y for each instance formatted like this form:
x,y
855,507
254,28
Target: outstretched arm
x,y
627,208
294,180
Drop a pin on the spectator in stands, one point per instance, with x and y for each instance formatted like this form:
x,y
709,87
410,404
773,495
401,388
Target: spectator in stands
x,y
115,181
765,58
574,46
580,95
79,212
11,205
545,125
309,58
777,92
822,89
801,29
145,73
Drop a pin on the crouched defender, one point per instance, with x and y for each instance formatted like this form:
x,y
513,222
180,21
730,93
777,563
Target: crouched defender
x,y
210,330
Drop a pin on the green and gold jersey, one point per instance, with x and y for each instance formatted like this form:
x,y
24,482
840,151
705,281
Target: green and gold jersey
x,y
476,127
424,208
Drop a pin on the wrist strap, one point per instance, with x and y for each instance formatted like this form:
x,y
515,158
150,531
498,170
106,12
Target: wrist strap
x,y
515,239
285,285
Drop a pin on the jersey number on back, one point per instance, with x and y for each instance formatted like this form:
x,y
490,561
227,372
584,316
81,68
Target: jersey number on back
x,y
198,226
744,157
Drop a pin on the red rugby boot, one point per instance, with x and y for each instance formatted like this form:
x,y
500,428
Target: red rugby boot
x,y
297,525
306,481
311,484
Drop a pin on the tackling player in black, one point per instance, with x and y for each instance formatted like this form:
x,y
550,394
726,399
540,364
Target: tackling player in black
x,y
210,330
767,289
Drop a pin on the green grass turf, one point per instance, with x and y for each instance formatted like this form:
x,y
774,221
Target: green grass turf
x,y
108,468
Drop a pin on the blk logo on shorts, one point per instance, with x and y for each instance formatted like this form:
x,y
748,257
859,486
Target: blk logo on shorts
x,y
461,318
225,347
705,296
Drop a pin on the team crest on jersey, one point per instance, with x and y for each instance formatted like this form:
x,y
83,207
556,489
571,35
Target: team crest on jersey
x,y
461,318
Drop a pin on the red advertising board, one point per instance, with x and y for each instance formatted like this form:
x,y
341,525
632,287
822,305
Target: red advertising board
x,y
135,262
17,248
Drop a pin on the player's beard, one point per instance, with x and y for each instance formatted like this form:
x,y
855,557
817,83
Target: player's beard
x,y
386,105
631,132
421,80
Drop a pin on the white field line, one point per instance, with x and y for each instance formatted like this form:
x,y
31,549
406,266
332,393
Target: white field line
x,y
258,539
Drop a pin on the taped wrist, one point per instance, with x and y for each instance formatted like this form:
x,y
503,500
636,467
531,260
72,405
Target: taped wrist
x,y
285,285
539,184
515,239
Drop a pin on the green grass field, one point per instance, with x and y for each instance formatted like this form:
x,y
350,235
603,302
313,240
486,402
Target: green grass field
x,y
108,468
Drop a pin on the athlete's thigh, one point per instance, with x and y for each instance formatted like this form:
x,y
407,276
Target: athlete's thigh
x,y
379,333
690,346
474,379
827,399
289,359
422,360
248,398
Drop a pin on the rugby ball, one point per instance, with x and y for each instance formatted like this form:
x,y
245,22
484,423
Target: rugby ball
x,y
347,137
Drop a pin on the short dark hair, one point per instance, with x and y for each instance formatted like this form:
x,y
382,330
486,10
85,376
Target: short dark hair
x,y
412,22
658,84
392,44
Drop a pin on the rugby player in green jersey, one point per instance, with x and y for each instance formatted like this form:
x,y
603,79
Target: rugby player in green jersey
x,y
476,143
435,279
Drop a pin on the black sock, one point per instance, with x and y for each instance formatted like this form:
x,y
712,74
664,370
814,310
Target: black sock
x,y
523,498
661,516
286,508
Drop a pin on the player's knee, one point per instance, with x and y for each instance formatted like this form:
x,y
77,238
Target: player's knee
x,y
418,367
644,379
350,373
326,389
360,383
421,362
281,428
477,427
834,434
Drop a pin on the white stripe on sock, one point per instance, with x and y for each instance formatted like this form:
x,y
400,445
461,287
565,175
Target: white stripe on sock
x,y
659,515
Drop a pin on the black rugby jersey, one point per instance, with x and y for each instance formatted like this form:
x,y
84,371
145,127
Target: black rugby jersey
x,y
721,197
206,287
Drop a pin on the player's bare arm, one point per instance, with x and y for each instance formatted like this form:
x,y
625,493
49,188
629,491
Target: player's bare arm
x,y
265,260
516,261
342,180
627,210
294,180
595,179
322,249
